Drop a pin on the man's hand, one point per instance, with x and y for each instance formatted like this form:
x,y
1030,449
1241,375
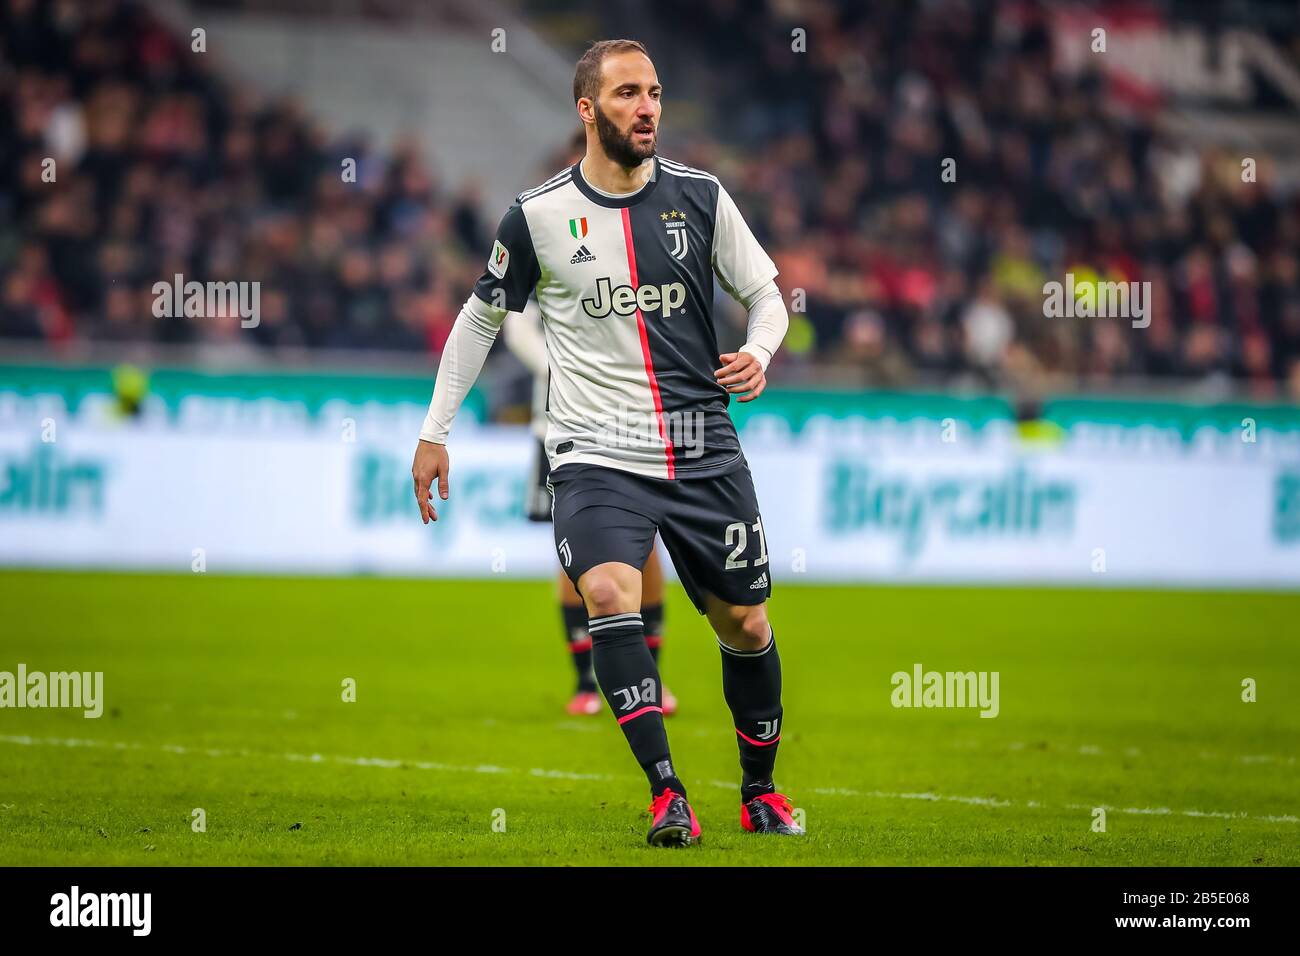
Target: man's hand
x,y
430,463
741,372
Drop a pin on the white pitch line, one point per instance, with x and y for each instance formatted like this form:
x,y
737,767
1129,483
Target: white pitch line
x,y
1092,750
392,764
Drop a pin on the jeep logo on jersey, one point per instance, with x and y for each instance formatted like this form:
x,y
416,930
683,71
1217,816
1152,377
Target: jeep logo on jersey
x,y
624,300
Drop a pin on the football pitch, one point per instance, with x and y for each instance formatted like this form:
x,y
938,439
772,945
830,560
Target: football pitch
x,y
226,695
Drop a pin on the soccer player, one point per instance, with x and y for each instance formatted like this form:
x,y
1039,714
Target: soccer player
x,y
525,339
622,249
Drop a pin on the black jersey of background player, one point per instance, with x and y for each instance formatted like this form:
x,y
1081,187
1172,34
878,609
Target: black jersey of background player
x,y
625,287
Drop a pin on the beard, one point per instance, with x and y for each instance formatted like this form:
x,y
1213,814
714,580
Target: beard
x,y
619,146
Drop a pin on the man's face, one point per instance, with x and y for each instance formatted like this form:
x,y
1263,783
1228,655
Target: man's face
x,y
627,109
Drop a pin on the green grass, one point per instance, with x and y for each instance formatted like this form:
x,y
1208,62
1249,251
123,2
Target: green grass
x,y
220,689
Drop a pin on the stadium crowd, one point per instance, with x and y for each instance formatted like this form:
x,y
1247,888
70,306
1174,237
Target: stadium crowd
x,y
907,276
162,167
907,271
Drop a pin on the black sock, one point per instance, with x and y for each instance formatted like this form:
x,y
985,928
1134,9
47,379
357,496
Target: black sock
x,y
575,632
653,617
630,681
751,683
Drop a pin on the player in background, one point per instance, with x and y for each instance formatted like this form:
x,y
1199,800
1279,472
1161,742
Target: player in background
x,y
623,249
523,331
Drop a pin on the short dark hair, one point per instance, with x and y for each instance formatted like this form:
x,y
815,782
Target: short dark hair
x,y
586,78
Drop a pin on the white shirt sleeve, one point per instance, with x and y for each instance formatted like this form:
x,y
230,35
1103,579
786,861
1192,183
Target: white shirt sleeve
x,y
524,337
467,348
739,261
767,325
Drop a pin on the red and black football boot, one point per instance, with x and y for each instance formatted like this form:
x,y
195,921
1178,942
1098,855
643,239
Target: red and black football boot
x,y
585,703
674,821
670,702
770,813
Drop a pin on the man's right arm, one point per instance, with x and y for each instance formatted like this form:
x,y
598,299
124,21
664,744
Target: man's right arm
x,y
462,359
512,272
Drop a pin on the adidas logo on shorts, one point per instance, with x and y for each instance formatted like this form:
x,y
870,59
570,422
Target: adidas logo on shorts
x,y
582,255
760,583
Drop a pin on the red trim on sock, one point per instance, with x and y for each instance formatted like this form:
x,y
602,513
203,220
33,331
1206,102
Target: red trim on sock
x,y
638,713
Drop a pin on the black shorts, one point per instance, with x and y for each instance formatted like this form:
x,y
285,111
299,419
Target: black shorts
x,y
537,503
710,526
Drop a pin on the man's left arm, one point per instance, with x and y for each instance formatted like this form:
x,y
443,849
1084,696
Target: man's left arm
x,y
747,273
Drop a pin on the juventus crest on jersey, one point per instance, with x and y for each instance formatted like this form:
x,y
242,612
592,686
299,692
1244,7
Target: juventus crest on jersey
x,y
625,288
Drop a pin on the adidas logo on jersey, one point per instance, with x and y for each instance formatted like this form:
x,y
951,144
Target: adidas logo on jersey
x,y
582,255
760,583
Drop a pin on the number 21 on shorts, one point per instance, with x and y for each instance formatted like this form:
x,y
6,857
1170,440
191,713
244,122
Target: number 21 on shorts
x,y
738,536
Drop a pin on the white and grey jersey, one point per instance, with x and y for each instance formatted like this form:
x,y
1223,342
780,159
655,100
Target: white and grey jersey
x,y
524,338
625,288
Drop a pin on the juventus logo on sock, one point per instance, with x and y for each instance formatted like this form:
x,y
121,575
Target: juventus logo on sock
x,y
644,694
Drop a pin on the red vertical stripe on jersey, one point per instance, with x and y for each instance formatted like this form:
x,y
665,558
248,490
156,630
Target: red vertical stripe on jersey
x,y
645,348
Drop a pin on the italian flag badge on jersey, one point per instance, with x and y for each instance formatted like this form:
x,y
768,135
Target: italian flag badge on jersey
x,y
578,227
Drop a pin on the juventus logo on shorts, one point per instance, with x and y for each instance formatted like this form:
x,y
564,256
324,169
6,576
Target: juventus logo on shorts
x,y
566,555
